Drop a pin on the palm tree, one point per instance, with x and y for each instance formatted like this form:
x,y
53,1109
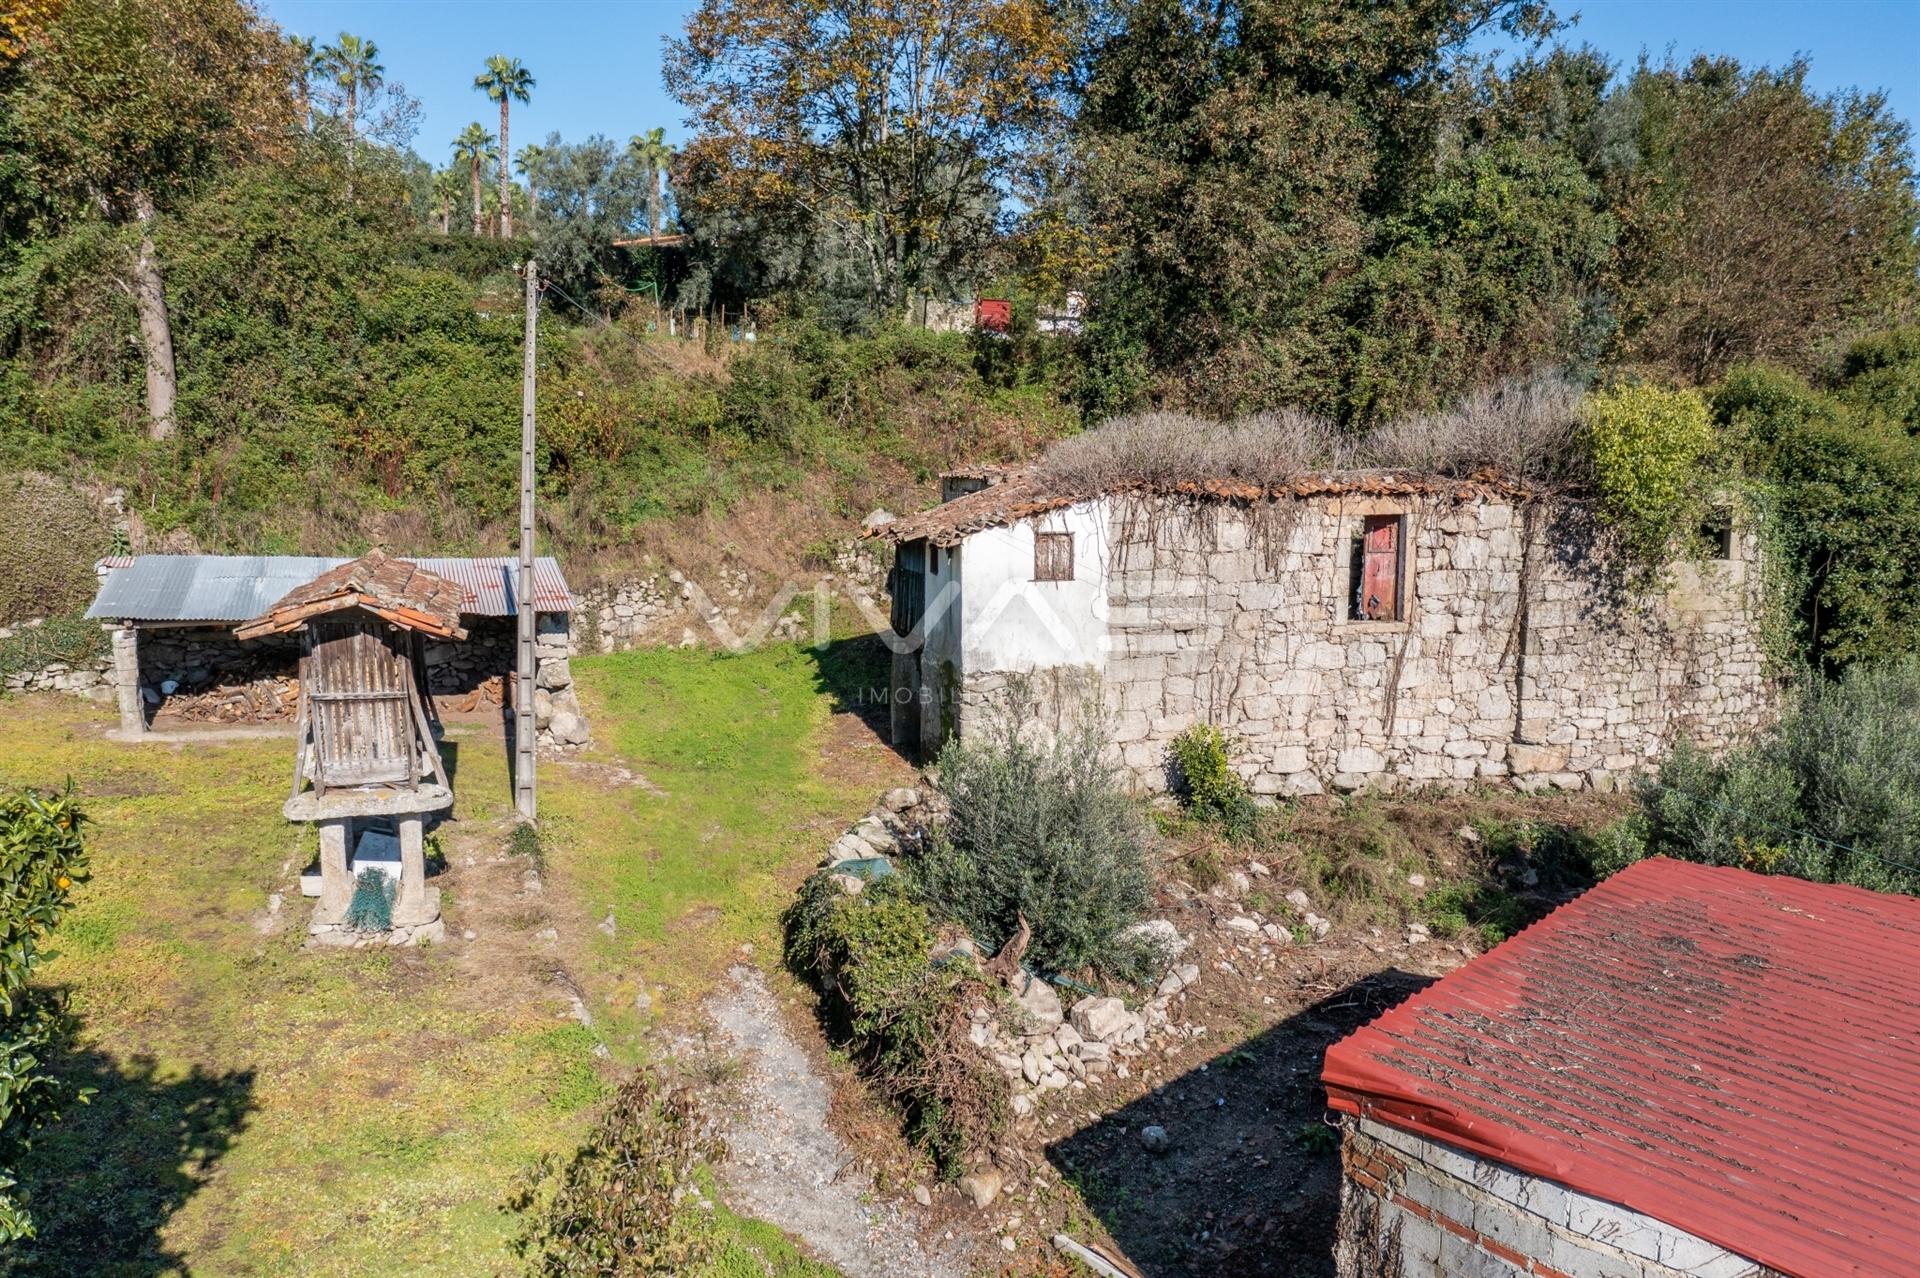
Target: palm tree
x,y
651,149
475,146
306,57
355,66
446,189
505,81
529,162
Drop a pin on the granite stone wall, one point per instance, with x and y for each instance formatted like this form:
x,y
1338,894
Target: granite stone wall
x,y
1524,652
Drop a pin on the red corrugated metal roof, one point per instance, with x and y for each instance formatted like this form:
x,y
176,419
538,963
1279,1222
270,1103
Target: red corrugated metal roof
x,y
1734,1054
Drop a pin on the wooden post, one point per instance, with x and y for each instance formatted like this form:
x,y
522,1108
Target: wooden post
x,y
523,726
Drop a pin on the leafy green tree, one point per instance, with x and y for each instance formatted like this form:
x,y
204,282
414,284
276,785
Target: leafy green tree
x,y
505,81
475,148
119,107
594,192
875,131
42,857
1237,160
1758,218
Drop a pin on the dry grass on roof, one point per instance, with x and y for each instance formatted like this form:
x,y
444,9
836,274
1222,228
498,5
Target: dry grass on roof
x,y
1522,431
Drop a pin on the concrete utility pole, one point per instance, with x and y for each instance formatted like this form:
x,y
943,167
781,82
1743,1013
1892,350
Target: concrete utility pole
x,y
523,727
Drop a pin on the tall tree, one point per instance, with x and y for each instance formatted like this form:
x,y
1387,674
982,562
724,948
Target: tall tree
x,y
354,65
475,147
125,105
306,64
880,124
528,164
505,81
1761,220
446,191
653,153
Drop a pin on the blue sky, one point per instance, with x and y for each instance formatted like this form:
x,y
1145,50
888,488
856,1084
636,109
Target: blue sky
x,y
598,61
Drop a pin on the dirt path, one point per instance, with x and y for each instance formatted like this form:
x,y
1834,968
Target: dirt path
x,y
787,1166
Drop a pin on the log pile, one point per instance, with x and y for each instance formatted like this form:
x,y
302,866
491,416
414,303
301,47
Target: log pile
x,y
262,700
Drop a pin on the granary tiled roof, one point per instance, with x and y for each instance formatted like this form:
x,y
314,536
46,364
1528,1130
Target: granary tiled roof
x,y
397,590
1730,1053
1024,493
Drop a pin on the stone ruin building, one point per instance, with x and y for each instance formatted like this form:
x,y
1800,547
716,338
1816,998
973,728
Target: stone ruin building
x,y
1356,630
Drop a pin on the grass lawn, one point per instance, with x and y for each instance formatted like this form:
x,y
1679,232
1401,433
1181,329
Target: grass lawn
x,y
263,1109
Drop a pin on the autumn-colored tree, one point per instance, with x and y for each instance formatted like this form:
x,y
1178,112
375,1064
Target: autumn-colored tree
x,y
877,125
124,105
21,21
475,148
505,81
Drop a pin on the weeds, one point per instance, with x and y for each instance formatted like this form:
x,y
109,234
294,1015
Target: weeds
x,y
1212,791
524,842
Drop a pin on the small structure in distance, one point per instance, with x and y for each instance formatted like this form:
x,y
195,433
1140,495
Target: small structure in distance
x,y
364,738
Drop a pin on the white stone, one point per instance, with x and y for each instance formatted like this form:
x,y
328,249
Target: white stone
x,y
1100,1019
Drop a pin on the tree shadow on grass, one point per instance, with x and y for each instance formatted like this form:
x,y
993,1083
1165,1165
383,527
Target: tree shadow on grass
x,y
1251,1182
103,1182
857,672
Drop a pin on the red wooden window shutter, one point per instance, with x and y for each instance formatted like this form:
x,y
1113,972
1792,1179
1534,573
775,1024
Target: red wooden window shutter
x,y
1380,571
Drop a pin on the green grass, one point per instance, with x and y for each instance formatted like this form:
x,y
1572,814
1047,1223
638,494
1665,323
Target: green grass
x,y
734,741
265,1110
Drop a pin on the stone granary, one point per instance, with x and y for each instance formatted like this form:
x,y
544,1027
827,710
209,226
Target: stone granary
x,y
364,739
1690,1070
1354,629
172,620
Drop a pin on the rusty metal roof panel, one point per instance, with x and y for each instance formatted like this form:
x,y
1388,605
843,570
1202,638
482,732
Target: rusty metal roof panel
x,y
1731,1053
234,588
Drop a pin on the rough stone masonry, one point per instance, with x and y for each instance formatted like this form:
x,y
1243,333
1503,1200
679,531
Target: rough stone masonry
x,y
1522,650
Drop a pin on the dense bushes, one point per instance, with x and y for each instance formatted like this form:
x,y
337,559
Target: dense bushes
x,y
621,1205
906,1018
1831,794
1646,444
41,857
1040,829
50,535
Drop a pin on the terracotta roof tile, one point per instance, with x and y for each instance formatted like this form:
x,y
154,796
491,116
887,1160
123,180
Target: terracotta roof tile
x,y
397,589
1024,494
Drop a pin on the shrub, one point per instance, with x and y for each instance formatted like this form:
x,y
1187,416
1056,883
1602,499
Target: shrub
x,y
371,909
50,534
1207,783
1164,450
1831,794
42,856
907,1021
1645,445
1040,828
620,1206
1524,429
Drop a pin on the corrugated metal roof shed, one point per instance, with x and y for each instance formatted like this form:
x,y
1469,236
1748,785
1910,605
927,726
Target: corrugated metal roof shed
x,y
1731,1053
216,588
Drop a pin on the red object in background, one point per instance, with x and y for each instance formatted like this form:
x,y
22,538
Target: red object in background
x,y
995,314
1732,1053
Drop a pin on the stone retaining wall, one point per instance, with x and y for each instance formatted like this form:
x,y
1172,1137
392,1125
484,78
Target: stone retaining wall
x,y
1523,654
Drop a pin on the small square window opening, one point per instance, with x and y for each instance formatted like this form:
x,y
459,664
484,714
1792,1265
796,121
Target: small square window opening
x,y
1373,575
1053,556
1716,534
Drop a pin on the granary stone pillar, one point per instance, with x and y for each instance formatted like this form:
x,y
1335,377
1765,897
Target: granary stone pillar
x,y
336,885
416,904
126,680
